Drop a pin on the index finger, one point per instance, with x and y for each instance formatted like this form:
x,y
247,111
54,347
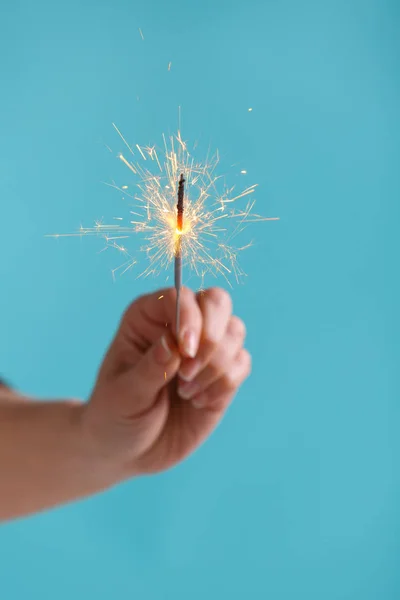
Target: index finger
x,y
145,320
159,309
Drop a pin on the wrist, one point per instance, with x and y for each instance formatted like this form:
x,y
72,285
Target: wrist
x,y
86,468
97,455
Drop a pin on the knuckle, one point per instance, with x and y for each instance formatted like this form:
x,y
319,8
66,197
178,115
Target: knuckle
x,y
235,376
209,340
236,328
245,358
169,295
219,297
129,313
187,295
230,382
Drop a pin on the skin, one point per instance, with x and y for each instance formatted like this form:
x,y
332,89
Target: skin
x,y
154,402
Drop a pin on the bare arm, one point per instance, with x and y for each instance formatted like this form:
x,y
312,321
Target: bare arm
x,y
45,460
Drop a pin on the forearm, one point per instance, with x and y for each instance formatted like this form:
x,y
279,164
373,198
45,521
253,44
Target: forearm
x,y
45,457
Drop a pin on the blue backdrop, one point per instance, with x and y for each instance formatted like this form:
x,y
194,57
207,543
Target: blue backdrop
x,y
296,495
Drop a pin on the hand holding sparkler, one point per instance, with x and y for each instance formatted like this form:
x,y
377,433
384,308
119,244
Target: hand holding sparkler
x,y
141,417
156,401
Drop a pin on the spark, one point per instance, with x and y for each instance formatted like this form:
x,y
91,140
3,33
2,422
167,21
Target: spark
x,y
169,66
215,214
159,297
243,172
140,150
122,138
128,164
141,33
250,109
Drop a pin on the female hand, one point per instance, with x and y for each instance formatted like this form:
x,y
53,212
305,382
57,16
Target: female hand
x,y
156,400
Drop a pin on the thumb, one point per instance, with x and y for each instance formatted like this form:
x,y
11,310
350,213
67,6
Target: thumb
x,y
141,384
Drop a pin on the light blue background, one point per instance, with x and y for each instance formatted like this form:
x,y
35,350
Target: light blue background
x,y
296,496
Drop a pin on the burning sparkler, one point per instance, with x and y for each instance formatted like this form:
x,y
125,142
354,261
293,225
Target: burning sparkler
x,y
178,249
203,241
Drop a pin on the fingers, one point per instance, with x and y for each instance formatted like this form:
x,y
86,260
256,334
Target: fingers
x,y
159,309
223,356
219,394
215,307
137,390
145,320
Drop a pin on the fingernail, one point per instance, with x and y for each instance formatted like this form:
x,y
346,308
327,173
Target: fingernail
x,y
188,390
199,402
163,352
190,371
188,341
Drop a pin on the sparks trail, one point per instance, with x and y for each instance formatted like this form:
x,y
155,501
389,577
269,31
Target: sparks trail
x,y
203,241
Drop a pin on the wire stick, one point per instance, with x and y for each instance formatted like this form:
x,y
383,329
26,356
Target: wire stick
x,y
178,283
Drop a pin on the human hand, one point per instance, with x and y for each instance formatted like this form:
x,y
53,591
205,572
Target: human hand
x,y
156,400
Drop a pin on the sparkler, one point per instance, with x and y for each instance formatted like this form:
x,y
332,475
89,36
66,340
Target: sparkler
x,y
203,241
178,250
